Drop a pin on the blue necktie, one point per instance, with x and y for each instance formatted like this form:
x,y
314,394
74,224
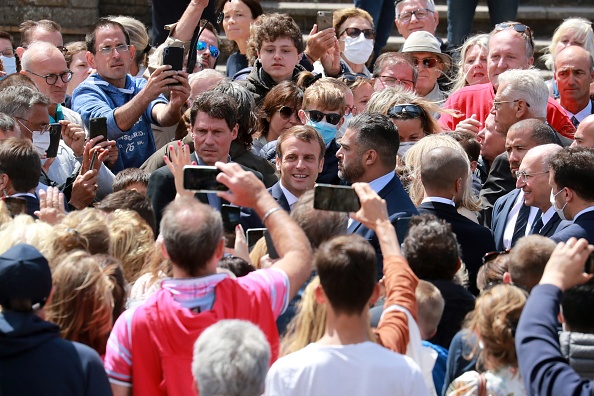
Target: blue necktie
x,y
521,223
537,226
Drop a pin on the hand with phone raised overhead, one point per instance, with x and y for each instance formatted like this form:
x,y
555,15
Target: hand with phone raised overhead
x,y
565,267
179,156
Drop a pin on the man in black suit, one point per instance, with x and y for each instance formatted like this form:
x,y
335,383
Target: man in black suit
x,y
532,179
368,154
20,170
572,180
299,159
584,135
444,173
574,72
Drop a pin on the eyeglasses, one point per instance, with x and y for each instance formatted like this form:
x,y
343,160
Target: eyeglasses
x,y
350,110
356,32
393,81
518,27
7,52
428,63
497,104
51,79
42,128
405,111
214,51
420,14
286,112
521,175
317,116
106,51
493,255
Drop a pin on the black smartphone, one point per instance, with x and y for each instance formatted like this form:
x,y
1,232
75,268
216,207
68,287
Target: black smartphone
x,y
15,205
402,225
98,126
253,235
93,159
272,253
231,215
336,198
202,179
174,57
55,135
324,20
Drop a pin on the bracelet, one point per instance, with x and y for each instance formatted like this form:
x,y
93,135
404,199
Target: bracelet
x,y
271,211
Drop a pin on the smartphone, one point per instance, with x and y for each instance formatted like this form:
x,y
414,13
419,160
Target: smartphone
x,y
253,235
402,225
93,159
324,20
15,205
202,179
98,126
231,215
336,198
272,253
174,57
55,135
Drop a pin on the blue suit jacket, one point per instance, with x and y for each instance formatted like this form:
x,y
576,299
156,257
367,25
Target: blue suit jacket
x,y
277,193
501,210
582,227
399,205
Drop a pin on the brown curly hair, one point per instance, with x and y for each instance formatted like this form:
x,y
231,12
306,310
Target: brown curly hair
x,y
271,27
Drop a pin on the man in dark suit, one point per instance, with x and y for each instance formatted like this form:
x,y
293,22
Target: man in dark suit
x,y
513,219
368,154
574,71
299,159
584,135
20,170
444,173
572,180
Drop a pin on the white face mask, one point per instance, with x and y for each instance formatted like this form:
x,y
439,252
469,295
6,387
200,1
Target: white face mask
x,y
358,50
41,141
9,64
404,147
343,127
559,211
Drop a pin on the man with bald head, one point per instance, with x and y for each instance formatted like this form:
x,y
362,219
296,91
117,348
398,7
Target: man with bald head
x,y
532,178
444,173
574,71
584,136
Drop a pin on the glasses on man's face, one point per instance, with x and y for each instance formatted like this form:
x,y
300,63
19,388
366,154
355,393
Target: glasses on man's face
x,y
405,111
42,128
497,104
393,81
317,116
427,63
201,46
352,32
524,177
286,112
106,51
420,14
51,79
7,52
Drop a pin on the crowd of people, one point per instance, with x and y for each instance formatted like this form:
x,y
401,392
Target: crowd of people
x,y
465,270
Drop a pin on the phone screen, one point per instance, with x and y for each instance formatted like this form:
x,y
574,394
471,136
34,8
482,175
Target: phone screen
x,y
98,126
253,235
336,198
202,179
55,135
231,215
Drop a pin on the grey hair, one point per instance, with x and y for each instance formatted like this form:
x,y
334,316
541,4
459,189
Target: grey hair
x,y
207,74
231,358
527,85
16,101
430,5
7,123
582,29
35,49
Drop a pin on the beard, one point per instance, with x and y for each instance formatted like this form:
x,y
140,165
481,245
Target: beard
x,y
352,173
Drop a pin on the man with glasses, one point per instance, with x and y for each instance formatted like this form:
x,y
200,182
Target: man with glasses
x,y
130,104
417,15
394,69
511,46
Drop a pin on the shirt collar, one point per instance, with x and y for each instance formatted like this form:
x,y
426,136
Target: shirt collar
x,y
291,198
378,184
583,113
440,200
581,212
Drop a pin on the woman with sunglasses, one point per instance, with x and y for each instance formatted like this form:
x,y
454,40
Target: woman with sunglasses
x,y
356,37
277,113
238,16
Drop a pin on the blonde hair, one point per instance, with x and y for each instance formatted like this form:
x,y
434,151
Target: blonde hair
x,y
430,306
481,40
326,94
258,251
82,229
494,319
132,241
582,30
411,171
139,37
24,229
82,302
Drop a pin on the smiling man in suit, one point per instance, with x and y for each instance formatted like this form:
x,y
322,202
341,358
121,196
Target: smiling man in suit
x,y
368,154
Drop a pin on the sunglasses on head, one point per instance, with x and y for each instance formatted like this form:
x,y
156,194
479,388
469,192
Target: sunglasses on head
x,y
352,77
493,255
405,111
317,116
214,51
518,27
428,63
356,32
286,112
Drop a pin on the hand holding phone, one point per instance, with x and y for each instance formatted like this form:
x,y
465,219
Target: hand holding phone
x,y
202,179
335,198
55,135
98,126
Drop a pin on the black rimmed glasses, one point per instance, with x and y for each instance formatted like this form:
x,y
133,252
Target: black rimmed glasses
x,y
52,79
42,128
524,176
317,116
405,111
420,14
202,45
356,32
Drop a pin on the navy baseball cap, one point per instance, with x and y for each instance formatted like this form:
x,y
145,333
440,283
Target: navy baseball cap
x,y
24,274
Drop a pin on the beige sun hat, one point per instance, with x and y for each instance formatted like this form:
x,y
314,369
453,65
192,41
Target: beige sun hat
x,y
421,41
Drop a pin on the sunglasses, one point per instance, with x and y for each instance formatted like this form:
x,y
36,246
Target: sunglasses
x,y
518,27
286,112
214,51
317,116
493,255
356,32
428,63
352,77
405,111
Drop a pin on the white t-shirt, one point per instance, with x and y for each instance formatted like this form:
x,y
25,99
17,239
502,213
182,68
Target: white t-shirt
x,y
357,369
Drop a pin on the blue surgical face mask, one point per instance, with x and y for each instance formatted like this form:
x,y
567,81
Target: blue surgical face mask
x,y
328,131
9,64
